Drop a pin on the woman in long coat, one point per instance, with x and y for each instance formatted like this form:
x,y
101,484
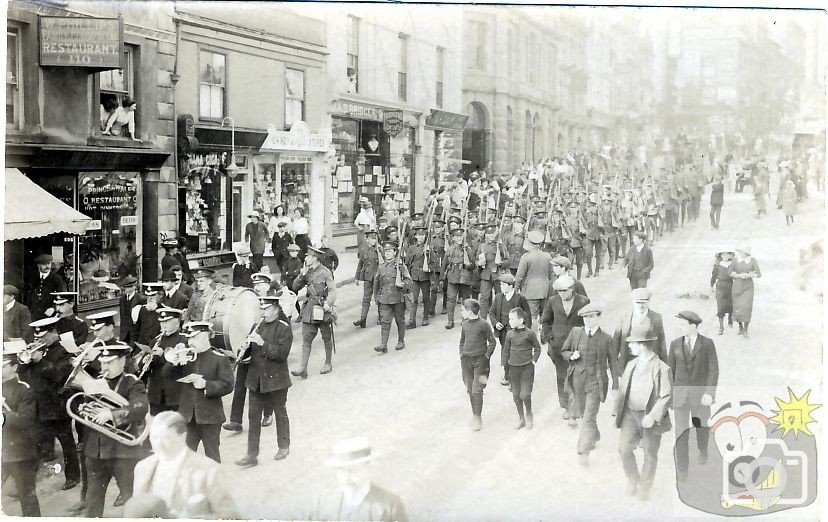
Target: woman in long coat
x,y
743,271
789,201
723,284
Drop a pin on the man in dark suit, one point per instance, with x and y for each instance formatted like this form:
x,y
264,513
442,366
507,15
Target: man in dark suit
x,y
130,298
559,317
268,378
180,284
172,298
16,316
200,399
639,317
639,261
69,322
590,354
39,292
695,369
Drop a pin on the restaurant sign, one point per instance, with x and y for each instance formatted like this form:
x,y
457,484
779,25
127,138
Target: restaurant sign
x,y
446,120
81,42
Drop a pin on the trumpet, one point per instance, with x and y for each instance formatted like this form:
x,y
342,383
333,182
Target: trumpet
x,y
25,356
84,408
180,354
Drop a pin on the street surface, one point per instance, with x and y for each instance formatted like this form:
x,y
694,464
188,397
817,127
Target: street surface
x,y
413,407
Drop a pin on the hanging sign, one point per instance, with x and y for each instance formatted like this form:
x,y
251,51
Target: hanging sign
x,y
81,42
392,122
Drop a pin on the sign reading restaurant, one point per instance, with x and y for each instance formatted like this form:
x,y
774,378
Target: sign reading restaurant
x,y
81,42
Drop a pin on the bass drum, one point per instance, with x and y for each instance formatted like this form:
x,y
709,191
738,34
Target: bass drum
x,y
233,311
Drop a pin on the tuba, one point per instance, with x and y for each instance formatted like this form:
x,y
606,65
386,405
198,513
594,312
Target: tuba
x,y
84,408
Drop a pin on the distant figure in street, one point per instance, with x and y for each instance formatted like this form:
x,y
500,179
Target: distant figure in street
x,y
279,244
761,188
722,283
639,261
255,234
743,271
301,228
716,202
789,201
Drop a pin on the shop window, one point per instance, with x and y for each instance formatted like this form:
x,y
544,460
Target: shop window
x,y
117,97
296,187
294,97
108,250
205,203
14,90
212,84
352,69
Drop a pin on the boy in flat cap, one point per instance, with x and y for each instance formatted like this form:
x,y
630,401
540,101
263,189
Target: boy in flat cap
x,y
695,372
16,316
39,290
69,322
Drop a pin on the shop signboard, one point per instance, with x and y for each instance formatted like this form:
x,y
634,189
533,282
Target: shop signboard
x,y
446,120
81,42
392,122
356,110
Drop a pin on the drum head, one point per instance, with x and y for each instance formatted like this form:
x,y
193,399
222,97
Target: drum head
x,y
242,315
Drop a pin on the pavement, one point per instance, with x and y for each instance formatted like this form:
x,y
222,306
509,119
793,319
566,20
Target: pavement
x,y
413,406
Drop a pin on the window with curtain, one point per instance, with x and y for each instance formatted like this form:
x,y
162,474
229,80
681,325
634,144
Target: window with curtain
x,y
352,69
212,84
13,84
294,96
115,86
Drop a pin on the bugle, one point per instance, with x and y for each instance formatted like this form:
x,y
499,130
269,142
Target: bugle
x,y
84,408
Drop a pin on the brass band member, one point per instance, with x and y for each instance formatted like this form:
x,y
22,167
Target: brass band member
x,y
19,430
105,456
69,322
146,317
162,388
316,286
268,378
45,368
200,400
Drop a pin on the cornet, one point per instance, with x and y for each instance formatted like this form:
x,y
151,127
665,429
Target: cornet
x,y
25,356
180,354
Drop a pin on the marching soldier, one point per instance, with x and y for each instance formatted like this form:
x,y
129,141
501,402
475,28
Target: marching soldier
x,y
368,256
576,242
45,369
105,456
514,243
130,299
457,268
210,378
473,241
416,256
19,430
592,245
316,286
610,233
162,388
268,378
390,284
204,288
486,256
69,322
436,252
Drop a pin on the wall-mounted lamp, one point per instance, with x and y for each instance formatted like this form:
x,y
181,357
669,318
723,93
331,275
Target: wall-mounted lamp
x,y
231,168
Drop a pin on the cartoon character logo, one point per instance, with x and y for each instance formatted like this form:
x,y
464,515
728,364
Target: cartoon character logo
x,y
758,469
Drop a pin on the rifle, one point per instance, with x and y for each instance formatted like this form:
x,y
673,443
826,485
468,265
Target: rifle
x,y
398,281
429,216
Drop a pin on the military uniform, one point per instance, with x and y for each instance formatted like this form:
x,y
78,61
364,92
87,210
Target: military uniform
x,y
489,271
573,223
437,251
391,301
610,235
368,261
592,245
321,291
415,260
458,276
514,249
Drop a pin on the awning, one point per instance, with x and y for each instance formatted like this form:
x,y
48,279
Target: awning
x,y
33,212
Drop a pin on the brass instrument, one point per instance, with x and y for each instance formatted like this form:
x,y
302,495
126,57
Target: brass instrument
x,y
79,363
25,356
180,354
84,408
147,358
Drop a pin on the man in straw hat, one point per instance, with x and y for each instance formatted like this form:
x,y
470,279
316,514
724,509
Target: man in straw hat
x,y
358,498
641,411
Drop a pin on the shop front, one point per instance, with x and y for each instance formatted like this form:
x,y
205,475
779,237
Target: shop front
x,y
445,130
375,146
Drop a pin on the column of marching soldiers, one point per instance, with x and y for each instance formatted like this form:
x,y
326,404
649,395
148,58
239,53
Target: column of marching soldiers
x,y
504,263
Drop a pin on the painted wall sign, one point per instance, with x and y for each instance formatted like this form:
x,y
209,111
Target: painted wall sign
x,y
446,120
81,42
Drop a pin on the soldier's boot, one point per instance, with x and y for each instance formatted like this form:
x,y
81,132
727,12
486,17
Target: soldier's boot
x,y
328,366
425,319
385,331
412,318
451,306
302,373
445,291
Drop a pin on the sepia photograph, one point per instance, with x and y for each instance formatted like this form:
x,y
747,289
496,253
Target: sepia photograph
x,y
413,261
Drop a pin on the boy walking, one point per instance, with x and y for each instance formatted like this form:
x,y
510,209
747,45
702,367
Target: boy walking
x,y
477,344
522,350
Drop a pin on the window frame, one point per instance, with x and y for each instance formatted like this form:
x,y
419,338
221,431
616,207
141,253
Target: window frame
x,y
352,48
440,83
17,124
131,51
290,98
402,74
224,87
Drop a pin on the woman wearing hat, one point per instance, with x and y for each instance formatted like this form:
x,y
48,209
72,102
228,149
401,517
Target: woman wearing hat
x,y
743,271
789,200
721,281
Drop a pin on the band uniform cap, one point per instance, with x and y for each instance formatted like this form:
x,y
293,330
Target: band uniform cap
x,y
152,288
262,277
127,281
509,279
101,319
165,314
640,335
266,301
10,290
43,259
64,297
41,326
590,309
293,247
196,327
348,452
641,295
536,237
457,232
564,282
114,349
561,261
745,249
243,250
689,316
204,272
315,252
169,243
168,275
